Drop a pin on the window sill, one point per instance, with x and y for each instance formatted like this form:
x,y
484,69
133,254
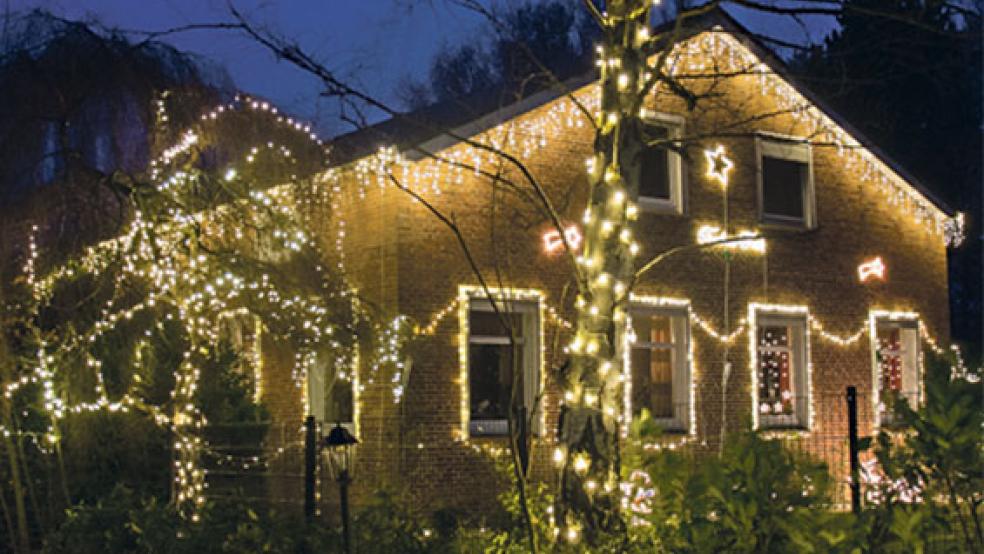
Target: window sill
x,y
659,206
781,423
488,428
781,428
671,426
327,426
788,225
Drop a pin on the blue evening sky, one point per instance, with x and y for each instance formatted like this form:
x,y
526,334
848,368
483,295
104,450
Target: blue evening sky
x,y
372,43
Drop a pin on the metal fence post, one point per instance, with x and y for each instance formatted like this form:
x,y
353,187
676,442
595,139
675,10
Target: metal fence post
x,y
310,465
852,430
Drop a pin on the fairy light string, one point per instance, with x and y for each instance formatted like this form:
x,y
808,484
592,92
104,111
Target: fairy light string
x,y
194,296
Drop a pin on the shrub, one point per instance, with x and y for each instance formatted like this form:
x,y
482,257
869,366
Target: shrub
x,y
928,484
758,496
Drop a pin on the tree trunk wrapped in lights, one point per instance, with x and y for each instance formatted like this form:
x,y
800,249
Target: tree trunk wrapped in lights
x,y
589,429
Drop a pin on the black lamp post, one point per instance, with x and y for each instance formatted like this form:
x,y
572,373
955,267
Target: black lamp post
x,y
341,446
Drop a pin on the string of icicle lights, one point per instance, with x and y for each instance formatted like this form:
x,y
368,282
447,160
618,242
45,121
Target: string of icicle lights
x,y
526,135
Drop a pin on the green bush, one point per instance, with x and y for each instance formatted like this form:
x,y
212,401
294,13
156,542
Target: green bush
x,y
102,450
928,485
757,496
125,522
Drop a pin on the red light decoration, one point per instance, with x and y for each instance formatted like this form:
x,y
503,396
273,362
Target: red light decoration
x,y
872,269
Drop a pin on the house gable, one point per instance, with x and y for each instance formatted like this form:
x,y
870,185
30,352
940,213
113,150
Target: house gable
x,y
523,127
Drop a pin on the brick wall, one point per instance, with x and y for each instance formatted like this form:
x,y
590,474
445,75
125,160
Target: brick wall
x,y
404,260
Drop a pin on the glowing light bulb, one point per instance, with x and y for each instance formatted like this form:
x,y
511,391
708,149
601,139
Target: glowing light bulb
x,y
581,463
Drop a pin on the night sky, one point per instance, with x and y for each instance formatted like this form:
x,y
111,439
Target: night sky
x,y
372,43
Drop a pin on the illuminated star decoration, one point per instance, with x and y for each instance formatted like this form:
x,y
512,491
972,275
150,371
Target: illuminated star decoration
x,y
718,165
873,268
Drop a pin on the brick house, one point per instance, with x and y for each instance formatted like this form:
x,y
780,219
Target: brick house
x,y
850,287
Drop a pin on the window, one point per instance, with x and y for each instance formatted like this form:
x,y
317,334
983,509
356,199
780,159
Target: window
x,y
660,178
331,391
493,361
660,366
781,380
786,195
242,330
896,365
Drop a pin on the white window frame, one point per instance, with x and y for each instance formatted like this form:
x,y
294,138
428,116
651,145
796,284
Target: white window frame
x,y
317,399
674,124
912,372
530,310
794,149
233,328
797,320
683,378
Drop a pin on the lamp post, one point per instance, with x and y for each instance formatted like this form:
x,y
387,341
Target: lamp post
x,y
341,446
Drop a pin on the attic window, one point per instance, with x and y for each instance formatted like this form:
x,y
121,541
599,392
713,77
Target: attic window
x,y
786,195
660,183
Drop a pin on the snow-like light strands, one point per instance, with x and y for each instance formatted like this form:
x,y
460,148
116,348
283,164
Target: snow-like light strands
x,y
954,230
871,269
754,309
839,340
527,134
356,393
435,321
719,165
877,485
707,328
257,360
691,368
552,241
181,287
959,370
239,103
729,55
707,234
501,297
523,136
389,353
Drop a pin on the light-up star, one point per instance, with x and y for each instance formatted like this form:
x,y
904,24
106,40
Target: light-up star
x,y
718,165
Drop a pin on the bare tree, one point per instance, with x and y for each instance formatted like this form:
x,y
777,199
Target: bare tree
x,y
634,60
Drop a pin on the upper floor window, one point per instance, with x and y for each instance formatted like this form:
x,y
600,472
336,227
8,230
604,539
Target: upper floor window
x,y
782,391
786,191
660,178
660,365
896,365
499,357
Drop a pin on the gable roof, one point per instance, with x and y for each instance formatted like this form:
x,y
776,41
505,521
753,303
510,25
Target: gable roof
x,y
435,126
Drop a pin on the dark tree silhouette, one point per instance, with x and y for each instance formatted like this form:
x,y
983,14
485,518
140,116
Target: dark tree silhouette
x,y
911,80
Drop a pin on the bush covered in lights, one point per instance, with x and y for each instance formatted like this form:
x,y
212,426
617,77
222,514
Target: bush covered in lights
x,y
756,496
937,454
124,353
